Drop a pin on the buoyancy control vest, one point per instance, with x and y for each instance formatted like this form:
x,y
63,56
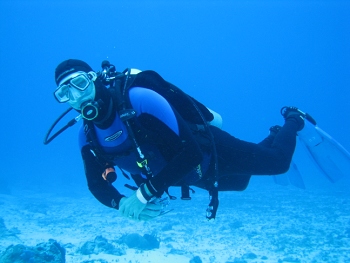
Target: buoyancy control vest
x,y
192,111
189,108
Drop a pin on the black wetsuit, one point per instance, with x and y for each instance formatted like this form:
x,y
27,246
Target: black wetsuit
x,y
179,153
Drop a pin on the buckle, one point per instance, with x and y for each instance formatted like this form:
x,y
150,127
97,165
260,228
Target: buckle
x,y
142,163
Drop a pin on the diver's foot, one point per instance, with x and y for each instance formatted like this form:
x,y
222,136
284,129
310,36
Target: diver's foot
x,y
293,113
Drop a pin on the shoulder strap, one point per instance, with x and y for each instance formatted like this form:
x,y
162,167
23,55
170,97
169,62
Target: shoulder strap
x,y
119,93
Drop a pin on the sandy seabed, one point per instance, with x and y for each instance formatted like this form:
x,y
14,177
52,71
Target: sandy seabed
x,y
273,224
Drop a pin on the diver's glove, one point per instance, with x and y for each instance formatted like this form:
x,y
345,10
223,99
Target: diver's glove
x,y
138,202
151,211
131,207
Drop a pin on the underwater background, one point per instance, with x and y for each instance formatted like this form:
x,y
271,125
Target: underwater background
x,y
243,59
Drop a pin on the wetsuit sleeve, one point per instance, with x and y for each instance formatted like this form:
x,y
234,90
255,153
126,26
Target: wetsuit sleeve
x,y
102,190
172,136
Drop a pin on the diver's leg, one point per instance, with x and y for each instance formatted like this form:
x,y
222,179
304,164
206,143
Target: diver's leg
x,y
240,157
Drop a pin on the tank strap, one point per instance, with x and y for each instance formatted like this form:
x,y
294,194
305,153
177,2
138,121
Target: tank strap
x,y
119,93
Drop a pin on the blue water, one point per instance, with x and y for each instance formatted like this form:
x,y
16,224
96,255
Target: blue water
x,y
244,59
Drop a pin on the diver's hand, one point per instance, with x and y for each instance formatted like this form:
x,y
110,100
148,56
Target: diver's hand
x,y
131,207
151,211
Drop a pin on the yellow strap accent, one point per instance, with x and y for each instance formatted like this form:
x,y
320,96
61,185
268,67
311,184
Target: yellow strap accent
x,y
142,164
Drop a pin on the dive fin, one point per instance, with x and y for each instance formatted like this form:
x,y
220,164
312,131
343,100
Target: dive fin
x,y
293,177
329,156
281,179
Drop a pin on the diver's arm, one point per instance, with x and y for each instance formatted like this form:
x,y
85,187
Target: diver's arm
x,y
102,190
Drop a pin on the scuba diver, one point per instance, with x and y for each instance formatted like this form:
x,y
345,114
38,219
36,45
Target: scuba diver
x,y
161,137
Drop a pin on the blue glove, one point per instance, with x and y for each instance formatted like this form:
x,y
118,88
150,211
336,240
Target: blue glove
x,y
151,211
131,207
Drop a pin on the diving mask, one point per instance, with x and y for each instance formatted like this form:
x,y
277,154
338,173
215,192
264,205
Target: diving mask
x,y
76,89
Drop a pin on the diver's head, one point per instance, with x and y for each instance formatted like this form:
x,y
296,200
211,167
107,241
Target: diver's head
x,y
79,86
75,83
